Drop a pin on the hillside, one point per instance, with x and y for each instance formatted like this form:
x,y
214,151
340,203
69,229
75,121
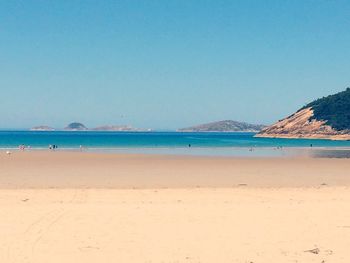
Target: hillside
x,y
224,126
334,109
325,118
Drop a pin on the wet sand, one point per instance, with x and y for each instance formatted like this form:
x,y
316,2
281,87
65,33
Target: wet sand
x,y
126,171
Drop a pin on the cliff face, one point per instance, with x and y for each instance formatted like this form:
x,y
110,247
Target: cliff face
x,y
302,124
324,118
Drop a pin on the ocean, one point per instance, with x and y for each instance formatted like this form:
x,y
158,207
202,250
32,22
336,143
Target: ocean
x,y
192,143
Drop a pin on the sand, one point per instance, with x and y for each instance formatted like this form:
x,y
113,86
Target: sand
x,y
93,170
84,207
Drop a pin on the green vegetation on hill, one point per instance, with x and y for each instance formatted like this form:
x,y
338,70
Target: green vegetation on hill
x,y
76,126
334,109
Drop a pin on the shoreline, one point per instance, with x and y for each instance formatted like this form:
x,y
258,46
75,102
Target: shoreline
x,y
54,169
337,137
342,152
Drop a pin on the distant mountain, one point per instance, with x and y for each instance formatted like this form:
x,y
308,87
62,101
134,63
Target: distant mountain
x,y
113,128
118,128
42,128
224,126
76,126
325,118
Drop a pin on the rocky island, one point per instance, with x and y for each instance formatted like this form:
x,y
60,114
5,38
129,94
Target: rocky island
x,y
224,126
118,128
76,126
325,118
42,128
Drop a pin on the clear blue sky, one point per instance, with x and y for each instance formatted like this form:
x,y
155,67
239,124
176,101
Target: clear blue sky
x,y
168,64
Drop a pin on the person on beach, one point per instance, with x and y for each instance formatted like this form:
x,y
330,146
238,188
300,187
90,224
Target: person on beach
x,y
22,147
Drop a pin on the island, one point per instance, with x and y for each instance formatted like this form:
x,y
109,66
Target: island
x,y
42,128
75,126
120,128
325,118
224,126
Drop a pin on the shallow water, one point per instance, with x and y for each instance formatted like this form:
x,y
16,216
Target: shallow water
x,y
11,139
235,151
202,144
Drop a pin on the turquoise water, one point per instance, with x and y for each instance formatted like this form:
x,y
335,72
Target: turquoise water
x,y
202,144
108,140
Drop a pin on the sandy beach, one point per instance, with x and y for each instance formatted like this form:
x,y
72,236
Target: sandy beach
x,y
89,207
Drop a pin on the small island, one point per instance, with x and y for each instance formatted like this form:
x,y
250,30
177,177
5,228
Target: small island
x,y
119,128
76,126
42,128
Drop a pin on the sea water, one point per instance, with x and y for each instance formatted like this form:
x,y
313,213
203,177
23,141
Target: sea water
x,y
236,144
